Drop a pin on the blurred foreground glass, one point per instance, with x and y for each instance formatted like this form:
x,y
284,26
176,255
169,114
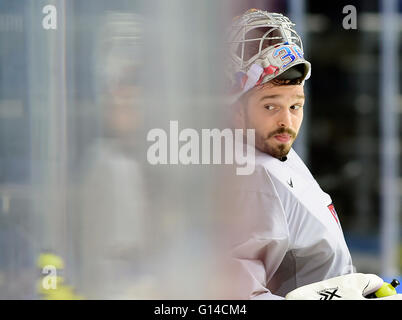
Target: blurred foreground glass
x,y
88,94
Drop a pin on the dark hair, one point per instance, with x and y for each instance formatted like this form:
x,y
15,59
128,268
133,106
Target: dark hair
x,y
286,82
277,82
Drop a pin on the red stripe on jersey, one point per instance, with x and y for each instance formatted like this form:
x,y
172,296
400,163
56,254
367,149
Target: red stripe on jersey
x,y
331,208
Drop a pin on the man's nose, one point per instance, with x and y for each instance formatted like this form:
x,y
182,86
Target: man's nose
x,y
284,119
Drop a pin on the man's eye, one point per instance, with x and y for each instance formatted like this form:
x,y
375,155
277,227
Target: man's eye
x,y
295,107
269,107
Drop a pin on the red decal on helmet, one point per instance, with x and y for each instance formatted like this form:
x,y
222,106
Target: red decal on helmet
x,y
267,71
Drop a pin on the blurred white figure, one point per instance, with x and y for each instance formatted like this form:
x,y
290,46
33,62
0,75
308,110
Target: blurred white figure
x,y
113,225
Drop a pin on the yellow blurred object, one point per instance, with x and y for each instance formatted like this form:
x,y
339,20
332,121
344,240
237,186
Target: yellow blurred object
x,y
46,259
58,282
62,293
387,289
51,286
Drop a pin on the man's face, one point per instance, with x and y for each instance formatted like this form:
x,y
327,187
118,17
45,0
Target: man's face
x,y
276,113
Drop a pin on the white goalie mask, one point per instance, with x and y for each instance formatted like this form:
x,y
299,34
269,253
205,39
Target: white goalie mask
x,y
264,46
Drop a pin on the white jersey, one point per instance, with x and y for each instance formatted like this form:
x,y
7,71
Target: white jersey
x,y
287,231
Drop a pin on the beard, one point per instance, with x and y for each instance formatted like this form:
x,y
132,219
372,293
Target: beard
x,y
266,145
